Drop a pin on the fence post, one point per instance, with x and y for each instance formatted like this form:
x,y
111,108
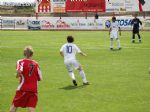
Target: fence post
x,y
1,23
14,24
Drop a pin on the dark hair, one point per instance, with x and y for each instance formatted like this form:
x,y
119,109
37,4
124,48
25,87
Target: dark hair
x,y
70,39
113,18
135,15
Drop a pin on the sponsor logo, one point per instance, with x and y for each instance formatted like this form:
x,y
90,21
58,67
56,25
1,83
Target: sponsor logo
x,y
117,4
34,25
124,22
20,22
47,24
108,23
62,24
8,23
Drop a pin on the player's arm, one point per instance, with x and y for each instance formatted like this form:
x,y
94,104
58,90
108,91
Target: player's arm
x,y
18,74
131,22
119,31
39,75
61,53
140,22
110,30
83,54
19,69
79,51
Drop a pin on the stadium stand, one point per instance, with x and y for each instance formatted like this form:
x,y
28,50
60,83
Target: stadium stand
x,y
16,11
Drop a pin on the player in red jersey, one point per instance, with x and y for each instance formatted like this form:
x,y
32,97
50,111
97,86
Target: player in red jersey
x,y
29,73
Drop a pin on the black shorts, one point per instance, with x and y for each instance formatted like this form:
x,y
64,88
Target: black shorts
x,y
135,31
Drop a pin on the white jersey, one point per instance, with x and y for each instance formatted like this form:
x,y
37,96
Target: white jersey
x,y
69,50
115,26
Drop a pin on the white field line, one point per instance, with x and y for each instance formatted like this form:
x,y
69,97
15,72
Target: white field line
x,y
82,47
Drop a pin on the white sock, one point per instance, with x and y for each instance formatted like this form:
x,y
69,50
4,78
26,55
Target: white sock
x,y
71,74
83,76
111,43
118,43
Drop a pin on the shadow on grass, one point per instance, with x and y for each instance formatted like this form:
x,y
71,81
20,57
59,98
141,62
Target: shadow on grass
x,y
116,50
70,87
137,43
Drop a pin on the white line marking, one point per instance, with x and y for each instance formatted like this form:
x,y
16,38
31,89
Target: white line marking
x,y
83,47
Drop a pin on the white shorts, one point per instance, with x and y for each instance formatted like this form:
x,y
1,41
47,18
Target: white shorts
x,y
71,65
114,35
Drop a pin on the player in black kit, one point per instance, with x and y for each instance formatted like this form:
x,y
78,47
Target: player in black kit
x,y
136,24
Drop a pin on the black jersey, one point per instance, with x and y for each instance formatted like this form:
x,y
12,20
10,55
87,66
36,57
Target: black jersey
x,y
135,22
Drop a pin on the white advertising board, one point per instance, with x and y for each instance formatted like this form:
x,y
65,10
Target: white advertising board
x,y
127,5
58,6
115,5
72,23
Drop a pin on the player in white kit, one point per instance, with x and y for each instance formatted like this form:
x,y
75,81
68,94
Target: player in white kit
x,y
68,51
113,32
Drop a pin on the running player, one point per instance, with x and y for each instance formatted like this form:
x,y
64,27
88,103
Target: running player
x,y
68,51
29,73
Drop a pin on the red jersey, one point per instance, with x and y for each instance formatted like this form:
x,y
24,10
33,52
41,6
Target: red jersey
x,y
30,76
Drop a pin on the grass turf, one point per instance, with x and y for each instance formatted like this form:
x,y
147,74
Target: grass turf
x,y
120,79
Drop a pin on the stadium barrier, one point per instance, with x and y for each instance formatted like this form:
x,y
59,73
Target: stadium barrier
x,y
68,23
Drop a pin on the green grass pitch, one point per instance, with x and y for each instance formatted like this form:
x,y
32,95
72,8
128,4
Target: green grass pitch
x,y
120,79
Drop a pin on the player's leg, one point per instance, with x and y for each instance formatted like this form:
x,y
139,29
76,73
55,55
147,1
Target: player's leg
x,y
133,36
71,73
111,40
118,41
72,76
83,76
78,66
31,109
13,108
18,101
139,36
32,101
111,43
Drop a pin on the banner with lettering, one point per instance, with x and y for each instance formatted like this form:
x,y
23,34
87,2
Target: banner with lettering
x,y
58,6
85,6
69,23
127,5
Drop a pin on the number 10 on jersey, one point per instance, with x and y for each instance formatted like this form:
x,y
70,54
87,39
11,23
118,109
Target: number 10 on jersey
x,y
69,49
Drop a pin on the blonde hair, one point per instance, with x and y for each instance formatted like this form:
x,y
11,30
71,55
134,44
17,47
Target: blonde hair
x,y
28,51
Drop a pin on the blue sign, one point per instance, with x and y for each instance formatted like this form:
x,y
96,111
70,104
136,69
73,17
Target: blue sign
x,y
124,22
108,24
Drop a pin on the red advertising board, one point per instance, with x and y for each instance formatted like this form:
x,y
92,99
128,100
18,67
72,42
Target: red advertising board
x,y
85,6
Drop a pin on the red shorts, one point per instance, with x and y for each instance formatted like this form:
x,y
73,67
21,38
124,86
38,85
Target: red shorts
x,y
25,99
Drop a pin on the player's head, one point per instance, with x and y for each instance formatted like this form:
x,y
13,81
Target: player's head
x,y
113,18
28,51
135,15
70,39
